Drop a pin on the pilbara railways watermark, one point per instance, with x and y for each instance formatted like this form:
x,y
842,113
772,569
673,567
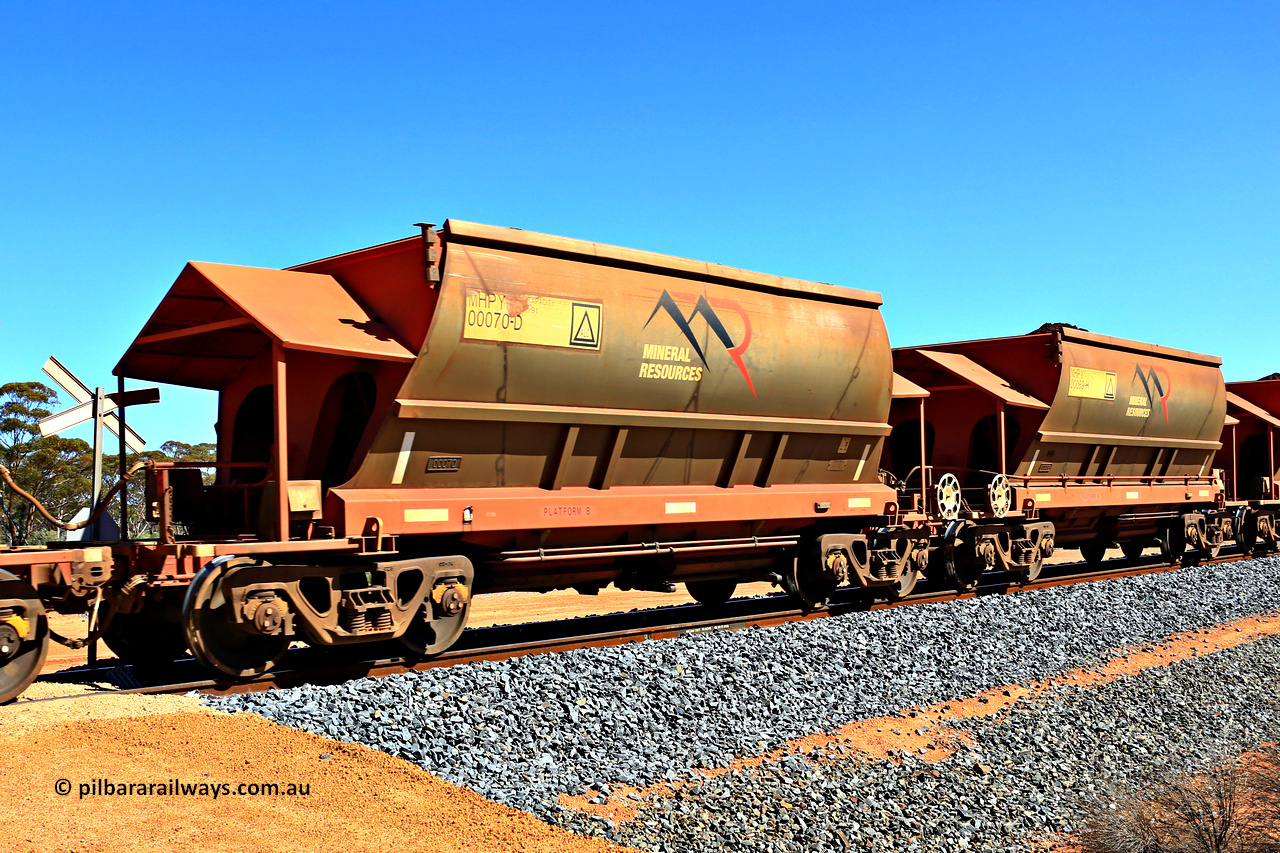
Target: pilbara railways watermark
x,y
179,788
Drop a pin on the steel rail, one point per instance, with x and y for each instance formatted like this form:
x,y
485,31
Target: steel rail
x,y
502,642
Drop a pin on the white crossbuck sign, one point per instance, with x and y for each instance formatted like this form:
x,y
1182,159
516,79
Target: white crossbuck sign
x,y
84,408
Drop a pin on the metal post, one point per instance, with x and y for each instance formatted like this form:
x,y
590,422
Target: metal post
x,y
924,489
1235,466
124,463
282,443
1000,418
99,399
1271,459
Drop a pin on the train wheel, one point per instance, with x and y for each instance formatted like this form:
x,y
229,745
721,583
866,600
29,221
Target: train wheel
x,y
1210,552
1093,552
24,637
150,638
959,556
1246,531
804,578
1173,543
441,619
1133,548
711,593
906,583
917,563
1267,535
211,630
1029,573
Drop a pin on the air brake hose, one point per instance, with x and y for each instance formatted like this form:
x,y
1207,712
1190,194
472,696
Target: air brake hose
x,y
102,504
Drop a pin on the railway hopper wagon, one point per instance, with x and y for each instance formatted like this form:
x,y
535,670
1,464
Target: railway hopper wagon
x,y
1249,456
482,409
1110,440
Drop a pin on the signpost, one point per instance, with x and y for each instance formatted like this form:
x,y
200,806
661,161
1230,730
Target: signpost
x,y
105,410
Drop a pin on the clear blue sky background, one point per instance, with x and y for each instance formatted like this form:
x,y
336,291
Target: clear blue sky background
x,y
986,166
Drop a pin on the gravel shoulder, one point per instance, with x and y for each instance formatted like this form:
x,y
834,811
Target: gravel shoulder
x,y
532,731
929,734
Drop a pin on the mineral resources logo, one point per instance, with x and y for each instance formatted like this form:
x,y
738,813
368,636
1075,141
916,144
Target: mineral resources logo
x,y
669,362
1157,384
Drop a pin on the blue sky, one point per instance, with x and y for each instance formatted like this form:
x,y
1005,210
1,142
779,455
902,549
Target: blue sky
x,y
986,166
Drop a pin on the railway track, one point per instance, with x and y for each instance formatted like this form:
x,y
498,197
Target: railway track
x,y
318,666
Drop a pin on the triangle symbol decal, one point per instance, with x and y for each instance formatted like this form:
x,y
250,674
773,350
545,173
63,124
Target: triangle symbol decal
x,y
585,334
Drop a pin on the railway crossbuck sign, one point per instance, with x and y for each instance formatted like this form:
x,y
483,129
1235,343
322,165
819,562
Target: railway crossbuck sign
x,y
99,407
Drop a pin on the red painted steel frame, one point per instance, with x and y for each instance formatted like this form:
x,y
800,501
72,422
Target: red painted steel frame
x,y
435,511
1256,410
282,443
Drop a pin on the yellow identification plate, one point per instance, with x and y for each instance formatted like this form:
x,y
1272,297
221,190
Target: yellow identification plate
x,y
421,515
1092,384
545,321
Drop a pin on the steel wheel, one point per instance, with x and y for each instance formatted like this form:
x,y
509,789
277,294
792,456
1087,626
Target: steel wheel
x,y
803,577
1093,553
24,637
912,572
1211,551
1265,524
1173,543
1246,531
1031,572
212,632
427,636
958,556
711,593
906,583
1133,548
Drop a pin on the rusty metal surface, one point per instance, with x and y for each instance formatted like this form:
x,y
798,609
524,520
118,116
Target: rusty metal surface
x,y
559,365
1139,347
389,280
1110,341
422,510
1118,409
1263,392
604,254
450,410
215,317
904,388
713,348
1153,397
1251,408
975,374
39,556
613,368
1251,446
